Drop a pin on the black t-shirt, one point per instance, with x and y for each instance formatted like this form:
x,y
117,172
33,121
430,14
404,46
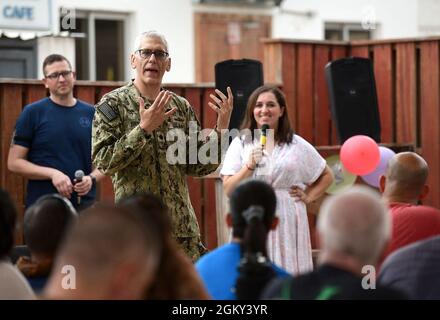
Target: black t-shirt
x,y
327,283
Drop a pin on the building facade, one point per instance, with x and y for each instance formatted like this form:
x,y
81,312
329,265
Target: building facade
x,y
97,36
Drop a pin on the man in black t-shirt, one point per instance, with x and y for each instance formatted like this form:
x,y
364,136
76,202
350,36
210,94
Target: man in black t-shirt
x,y
53,139
354,228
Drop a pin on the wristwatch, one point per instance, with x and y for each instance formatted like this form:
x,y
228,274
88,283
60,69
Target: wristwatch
x,y
93,179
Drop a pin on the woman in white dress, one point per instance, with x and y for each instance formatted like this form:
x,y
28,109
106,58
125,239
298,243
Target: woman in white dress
x,y
290,164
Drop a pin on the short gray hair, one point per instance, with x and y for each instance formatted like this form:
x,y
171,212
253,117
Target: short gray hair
x,y
149,34
355,222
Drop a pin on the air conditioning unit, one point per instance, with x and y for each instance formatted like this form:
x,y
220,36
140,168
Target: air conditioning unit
x,y
248,3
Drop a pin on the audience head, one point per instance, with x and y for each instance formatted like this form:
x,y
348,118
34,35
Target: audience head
x,y
112,254
252,206
8,216
176,277
45,224
152,211
354,224
405,178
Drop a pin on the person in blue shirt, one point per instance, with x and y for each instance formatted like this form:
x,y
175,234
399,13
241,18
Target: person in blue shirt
x,y
240,269
52,140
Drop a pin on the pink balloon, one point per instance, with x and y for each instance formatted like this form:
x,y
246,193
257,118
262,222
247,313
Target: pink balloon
x,y
373,178
360,155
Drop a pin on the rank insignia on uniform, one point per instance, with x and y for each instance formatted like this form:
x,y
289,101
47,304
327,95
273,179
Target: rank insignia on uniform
x,y
107,111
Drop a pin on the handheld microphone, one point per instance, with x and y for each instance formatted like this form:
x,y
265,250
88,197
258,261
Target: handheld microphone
x,y
263,136
79,174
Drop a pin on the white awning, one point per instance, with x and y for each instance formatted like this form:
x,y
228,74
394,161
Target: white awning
x,y
28,35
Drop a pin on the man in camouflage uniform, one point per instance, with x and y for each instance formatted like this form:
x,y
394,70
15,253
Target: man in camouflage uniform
x,y
129,138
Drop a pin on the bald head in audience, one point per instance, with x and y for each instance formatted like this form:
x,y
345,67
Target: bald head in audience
x,y
354,228
112,254
405,179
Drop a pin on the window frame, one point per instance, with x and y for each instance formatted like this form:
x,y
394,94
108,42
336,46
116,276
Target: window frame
x,y
346,28
91,17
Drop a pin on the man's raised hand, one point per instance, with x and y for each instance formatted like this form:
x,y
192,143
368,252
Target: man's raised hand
x,y
223,106
154,116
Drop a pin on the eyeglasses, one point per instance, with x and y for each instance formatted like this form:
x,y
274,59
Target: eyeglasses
x,y
146,54
56,75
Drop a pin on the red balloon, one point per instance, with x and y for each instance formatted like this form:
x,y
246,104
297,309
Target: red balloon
x,y
360,155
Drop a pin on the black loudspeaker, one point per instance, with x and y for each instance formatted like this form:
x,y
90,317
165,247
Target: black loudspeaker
x,y
353,98
243,76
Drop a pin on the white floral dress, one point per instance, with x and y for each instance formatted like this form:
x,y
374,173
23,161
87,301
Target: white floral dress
x,y
297,163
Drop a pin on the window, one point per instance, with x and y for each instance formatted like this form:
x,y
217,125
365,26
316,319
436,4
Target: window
x,y
17,58
346,32
109,50
99,45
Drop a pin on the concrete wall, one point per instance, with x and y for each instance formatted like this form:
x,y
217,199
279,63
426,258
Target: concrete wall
x,y
428,17
393,18
173,18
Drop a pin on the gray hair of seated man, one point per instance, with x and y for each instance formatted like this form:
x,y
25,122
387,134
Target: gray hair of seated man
x,y
356,223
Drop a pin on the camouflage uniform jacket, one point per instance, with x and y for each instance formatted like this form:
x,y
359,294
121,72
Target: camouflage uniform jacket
x,y
137,160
